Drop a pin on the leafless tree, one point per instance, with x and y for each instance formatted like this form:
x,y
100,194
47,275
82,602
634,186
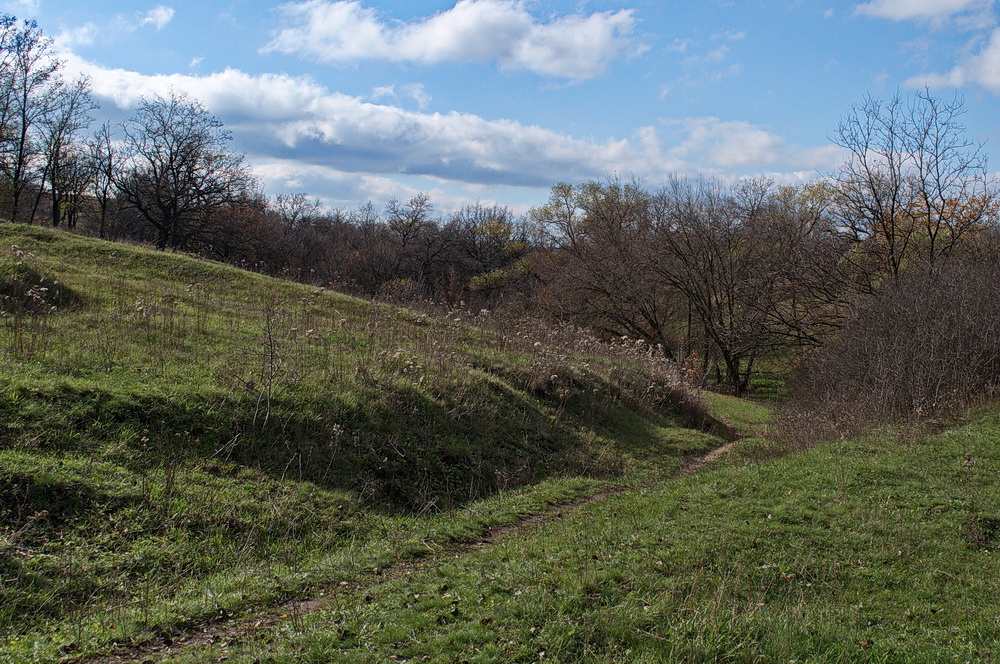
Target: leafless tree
x,y
487,261
955,194
912,185
598,267
177,170
710,249
64,171
295,210
29,92
102,162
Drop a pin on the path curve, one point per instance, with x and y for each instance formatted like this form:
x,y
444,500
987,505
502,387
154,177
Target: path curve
x,y
229,628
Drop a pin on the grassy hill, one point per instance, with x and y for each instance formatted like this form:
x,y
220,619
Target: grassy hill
x,y
199,464
180,440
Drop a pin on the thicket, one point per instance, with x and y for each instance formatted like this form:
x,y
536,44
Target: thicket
x,y
925,346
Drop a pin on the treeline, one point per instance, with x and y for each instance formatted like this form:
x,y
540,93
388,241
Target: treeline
x,y
716,276
167,176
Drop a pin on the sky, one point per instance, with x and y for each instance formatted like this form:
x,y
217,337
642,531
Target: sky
x,y
495,101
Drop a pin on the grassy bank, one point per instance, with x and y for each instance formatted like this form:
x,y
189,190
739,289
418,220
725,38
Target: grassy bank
x,y
881,549
180,440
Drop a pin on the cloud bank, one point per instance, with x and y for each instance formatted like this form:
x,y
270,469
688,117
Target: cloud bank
x,y
300,134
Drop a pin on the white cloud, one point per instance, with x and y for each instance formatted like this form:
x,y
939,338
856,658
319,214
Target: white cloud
x,y
21,6
574,46
709,67
415,91
981,69
971,13
728,144
82,35
383,91
158,17
91,33
418,93
342,190
680,45
296,131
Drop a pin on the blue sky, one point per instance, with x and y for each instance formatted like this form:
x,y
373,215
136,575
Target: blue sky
x,y
497,100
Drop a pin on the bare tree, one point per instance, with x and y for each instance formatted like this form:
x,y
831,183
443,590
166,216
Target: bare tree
x,y
64,170
711,249
487,261
804,250
177,170
295,210
912,185
102,162
599,269
29,89
955,194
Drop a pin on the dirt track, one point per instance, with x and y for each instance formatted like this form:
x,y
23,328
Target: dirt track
x,y
226,628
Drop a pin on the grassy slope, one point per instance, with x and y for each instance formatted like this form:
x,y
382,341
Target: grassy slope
x,y
180,440
880,549
885,549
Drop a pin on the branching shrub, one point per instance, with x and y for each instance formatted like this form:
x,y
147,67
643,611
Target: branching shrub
x,y
922,347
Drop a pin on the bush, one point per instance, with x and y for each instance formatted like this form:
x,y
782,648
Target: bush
x,y
922,347
24,288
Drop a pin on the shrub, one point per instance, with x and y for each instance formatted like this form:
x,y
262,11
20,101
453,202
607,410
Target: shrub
x,y
25,289
922,347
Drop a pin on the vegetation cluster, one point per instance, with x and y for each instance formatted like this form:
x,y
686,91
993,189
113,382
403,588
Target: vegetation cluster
x,y
181,437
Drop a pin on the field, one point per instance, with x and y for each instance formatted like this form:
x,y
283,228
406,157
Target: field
x,y
199,463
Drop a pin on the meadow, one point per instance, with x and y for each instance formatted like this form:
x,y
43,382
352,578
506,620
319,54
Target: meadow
x,y
200,464
183,440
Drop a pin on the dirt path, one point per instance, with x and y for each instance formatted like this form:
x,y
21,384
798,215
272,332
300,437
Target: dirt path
x,y
226,629
697,463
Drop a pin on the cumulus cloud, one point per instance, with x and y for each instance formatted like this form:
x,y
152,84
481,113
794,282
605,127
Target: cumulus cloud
x,y
727,147
295,130
975,11
728,144
574,47
982,68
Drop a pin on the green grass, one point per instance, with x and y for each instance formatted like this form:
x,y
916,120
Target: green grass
x,y
882,549
180,439
747,418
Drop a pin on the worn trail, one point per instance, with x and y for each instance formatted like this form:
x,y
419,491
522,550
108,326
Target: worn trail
x,y
228,629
